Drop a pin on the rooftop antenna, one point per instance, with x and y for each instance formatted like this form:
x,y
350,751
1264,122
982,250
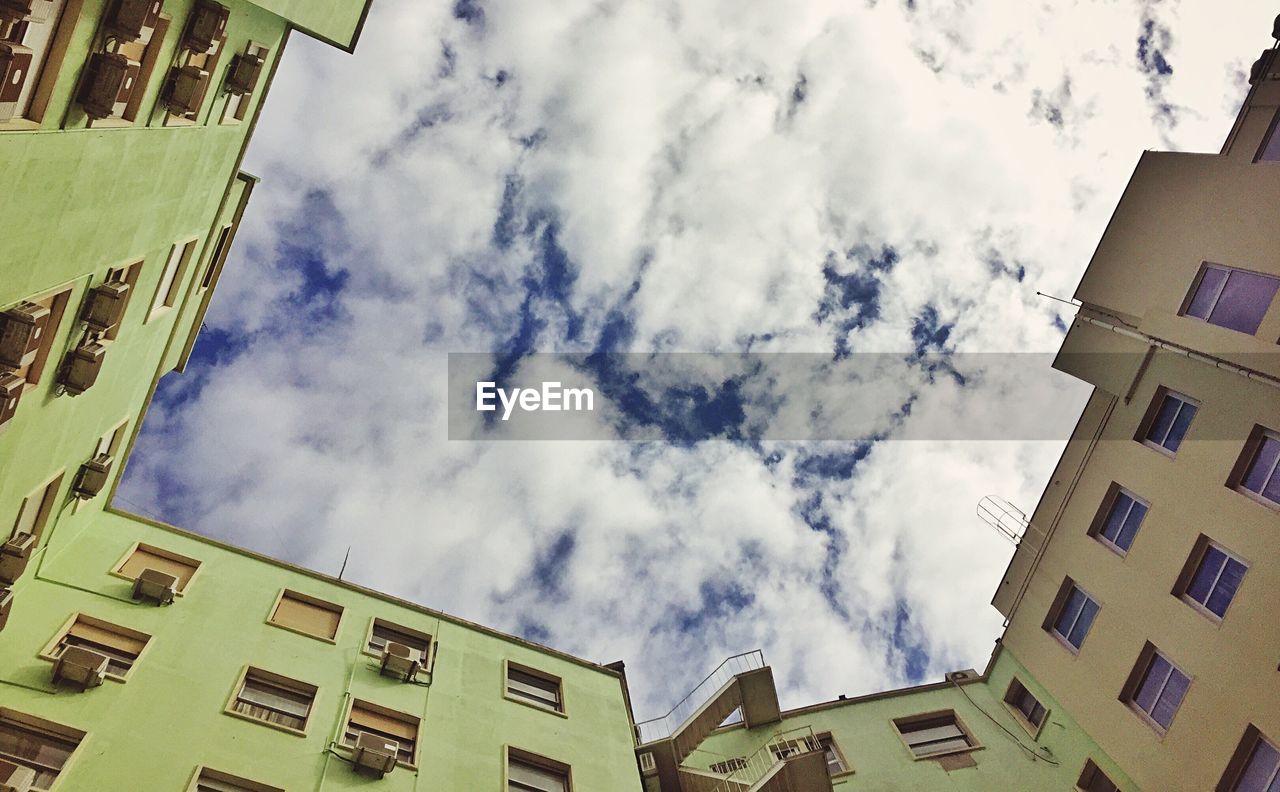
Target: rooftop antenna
x,y
344,562
1009,521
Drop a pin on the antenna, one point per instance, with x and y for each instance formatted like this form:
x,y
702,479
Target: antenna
x,y
344,562
1008,520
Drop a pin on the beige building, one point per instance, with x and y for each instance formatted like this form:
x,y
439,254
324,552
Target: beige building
x,y
1145,590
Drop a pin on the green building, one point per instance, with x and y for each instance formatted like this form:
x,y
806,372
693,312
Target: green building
x,y
137,656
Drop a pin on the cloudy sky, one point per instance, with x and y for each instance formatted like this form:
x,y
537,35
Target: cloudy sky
x,y
833,177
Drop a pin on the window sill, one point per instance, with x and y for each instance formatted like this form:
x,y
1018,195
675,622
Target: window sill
x,y
347,749
1070,647
1114,548
112,677
156,313
110,123
531,705
1261,500
1160,731
941,754
295,630
1199,608
1159,448
277,726
19,125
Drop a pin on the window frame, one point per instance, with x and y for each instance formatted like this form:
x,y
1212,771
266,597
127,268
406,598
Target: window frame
x,y
1153,412
236,107
50,71
509,665
50,652
1012,694
1196,281
227,778
48,494
386,712
165,299
1056,609
58,299
117,570
1087,774
829,743
1272,131
49,728
1199,551
277,680
1100,520
974,743
522,756
1234,772
1132,686
427,656
313,601
128,274
1244,465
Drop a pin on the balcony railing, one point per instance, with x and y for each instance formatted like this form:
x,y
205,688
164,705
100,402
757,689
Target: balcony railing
x,y
666,726
751,769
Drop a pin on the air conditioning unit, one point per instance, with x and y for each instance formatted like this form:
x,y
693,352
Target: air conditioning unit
x,y
15,69
6,605
208,21
80,666
400,661
26,10
21,331
15,777
242,77
104,307
11,388
92,477
131,20
108,82
154,585
14,555
961,676
80,370
185,89
375,753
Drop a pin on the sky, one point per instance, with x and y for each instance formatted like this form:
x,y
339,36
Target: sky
x,y
831,177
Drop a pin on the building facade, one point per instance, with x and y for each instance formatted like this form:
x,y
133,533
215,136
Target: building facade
x,y
1142,643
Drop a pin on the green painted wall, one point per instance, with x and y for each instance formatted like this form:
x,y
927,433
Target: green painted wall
x,y
880,761
153,730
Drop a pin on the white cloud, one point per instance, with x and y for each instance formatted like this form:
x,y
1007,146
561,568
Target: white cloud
x,y
693,194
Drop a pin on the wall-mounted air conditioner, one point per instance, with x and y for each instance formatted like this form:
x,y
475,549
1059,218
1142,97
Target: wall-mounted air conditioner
x,y
14,555
80,370
80,666
129,19
107,84
6,605
11,388
242,77
92,477
26,10
184,91
157,586
104,307
15,777
15,69
207,22
400,661
375,753
21,331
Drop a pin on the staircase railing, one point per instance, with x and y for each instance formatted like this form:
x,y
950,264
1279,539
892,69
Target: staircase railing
x,y
664,727
780,747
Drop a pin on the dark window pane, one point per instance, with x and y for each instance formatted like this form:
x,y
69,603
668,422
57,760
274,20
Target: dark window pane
x,y
1180,424
1170,698
1206,292
1263,472
1115,520
1164,420
1271,151
1156,674
1260,770
1244,301
1069,612
1087,612
1228,582
1206,574
1130,528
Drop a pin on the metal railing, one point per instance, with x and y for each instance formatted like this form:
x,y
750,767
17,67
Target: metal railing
x,y
781,746
664,727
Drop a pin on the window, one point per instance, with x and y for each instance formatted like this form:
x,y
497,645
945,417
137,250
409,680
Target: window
x,y
37,507
1167,426
1255,767
382,631
530,773
835,759
1026,708
1232,298
145,556
306,615
1156,688
1261,476
171,279
210,780
39,44
273,699
1120,518
534,687
238,103
730,765
1072,615
55,304
388,724
121,645
1270,151
215,259
37,744
935,734
191,72
1094,780
127,275
1210,578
